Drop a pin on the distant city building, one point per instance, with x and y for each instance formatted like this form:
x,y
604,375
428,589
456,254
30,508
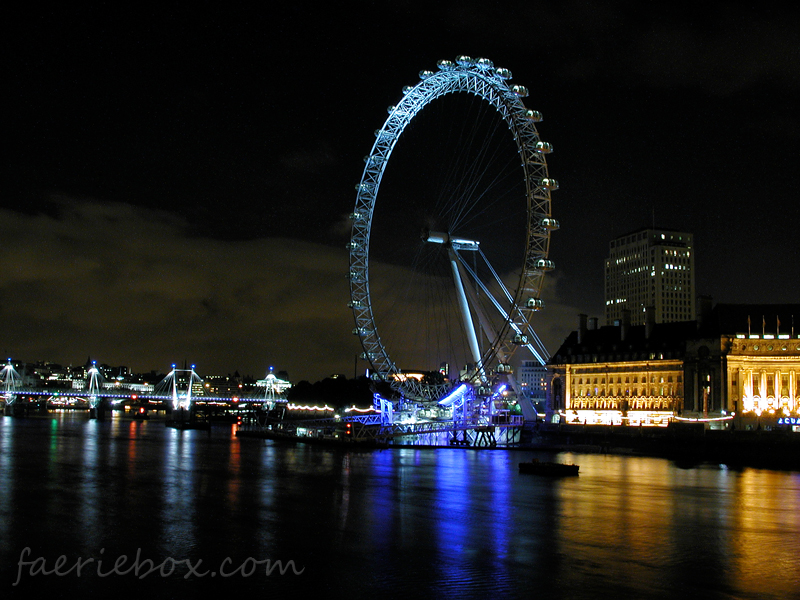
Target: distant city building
x,y
219,385
650,268
736,366
140,388
532,377
273,385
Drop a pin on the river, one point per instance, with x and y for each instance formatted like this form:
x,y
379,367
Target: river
x,y
122,508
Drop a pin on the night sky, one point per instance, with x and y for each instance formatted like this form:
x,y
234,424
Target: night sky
x,y
177,183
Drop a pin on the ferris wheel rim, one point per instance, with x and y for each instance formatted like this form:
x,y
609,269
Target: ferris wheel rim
x,y
490,84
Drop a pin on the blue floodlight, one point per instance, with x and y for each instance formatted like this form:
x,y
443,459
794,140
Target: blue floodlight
x,y
454,396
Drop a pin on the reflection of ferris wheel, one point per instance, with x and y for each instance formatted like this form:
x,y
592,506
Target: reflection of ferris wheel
x,y
447,268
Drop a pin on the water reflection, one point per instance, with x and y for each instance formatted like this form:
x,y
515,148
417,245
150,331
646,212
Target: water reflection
x,y
343,501
7,479
453,522
470,525
765,525
90,494
234,473
666,526
130,455
180,492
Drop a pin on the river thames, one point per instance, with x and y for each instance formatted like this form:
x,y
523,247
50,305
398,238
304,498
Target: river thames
x,y
126,508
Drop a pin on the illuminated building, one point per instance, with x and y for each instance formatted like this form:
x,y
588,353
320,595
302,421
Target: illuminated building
x,y
761,364
650,268
532,377
721,369
274,386
622,374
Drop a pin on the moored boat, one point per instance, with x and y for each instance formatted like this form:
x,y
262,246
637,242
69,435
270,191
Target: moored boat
x,y
548,468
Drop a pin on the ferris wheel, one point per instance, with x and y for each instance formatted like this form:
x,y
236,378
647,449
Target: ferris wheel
x,y
449,243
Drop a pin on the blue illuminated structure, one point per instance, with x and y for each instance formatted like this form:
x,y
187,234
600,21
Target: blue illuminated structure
x,y
274,388
510,327
181,400
462,402
95,380
456,397
385,407
10,383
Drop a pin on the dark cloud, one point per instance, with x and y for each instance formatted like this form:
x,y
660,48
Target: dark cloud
x,y
132,286
310,160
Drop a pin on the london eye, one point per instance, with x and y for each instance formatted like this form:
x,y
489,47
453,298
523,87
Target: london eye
x,y
450,239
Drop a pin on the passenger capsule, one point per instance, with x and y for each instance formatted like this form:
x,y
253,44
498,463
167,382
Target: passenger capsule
x,y
549,184
465,61
407,89
445,65
520,90
520,339
544,264
425,75
484,64
356,216
503,73
534,303
544,147
364,187
550,224
533,115
390,109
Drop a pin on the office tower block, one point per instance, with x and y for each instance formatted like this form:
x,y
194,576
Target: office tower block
x,y
650,269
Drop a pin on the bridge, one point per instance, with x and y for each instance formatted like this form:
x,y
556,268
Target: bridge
x,y
181,391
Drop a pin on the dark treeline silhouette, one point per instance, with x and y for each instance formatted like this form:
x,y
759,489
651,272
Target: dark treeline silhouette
x,y
336,392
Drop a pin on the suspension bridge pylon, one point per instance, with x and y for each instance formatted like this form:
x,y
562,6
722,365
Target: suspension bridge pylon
x,y
10,383
94,382
179,384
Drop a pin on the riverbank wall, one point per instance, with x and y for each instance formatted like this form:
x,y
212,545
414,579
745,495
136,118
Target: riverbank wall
x,y
685,443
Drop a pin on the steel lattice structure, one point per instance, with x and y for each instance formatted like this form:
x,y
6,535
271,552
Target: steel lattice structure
x,y
480,78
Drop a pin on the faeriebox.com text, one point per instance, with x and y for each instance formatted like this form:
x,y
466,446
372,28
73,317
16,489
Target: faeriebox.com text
x,y
144,567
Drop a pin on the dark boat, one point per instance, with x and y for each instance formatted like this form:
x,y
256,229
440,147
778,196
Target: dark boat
x,y
547,468
327,440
